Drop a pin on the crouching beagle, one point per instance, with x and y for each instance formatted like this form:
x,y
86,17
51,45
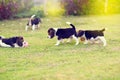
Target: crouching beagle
x,y
16,41
92,36
33,22
63,33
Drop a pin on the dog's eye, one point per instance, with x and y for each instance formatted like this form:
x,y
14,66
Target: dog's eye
x,y
21,38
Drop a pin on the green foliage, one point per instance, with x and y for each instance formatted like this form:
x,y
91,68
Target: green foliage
x,y
24,14
96,7
25,8
14,8
37,10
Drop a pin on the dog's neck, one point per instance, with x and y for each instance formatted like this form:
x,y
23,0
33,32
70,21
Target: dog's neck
x,y
55,30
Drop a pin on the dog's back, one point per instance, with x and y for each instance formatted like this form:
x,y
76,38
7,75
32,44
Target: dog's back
x,y
94,33
35,21
91,33
66,32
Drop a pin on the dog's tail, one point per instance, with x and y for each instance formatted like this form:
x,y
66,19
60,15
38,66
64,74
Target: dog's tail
x,y
32,17
104,29
70,24
72,27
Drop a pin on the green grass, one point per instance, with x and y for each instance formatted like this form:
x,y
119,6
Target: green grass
x,y
42,60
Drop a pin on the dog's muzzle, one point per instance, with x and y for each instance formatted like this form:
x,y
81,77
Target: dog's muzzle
x,y
49,37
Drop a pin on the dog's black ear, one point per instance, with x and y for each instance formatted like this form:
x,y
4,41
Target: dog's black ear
x,y
20,40
80,33
50,29
51,32
0,37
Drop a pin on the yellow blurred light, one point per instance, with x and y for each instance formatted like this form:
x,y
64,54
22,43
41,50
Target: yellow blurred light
x,y
101,7
112,6
53,8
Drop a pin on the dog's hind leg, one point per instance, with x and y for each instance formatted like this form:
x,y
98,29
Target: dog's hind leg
x,y
26,28
58,42
69,40
103,40
33,27
38,25
86,42
76,39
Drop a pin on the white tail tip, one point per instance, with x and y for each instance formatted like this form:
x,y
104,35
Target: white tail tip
x,y
106,28
68,23
32,16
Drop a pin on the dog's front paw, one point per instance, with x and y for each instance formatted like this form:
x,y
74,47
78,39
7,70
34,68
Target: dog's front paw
x,y
86,42
56,44
76,43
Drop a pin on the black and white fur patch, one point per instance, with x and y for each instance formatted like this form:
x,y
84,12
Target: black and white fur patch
x,y
12,42
63,33
33,22
92,36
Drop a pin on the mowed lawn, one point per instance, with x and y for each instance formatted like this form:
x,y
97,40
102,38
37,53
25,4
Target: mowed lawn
x,y
42,60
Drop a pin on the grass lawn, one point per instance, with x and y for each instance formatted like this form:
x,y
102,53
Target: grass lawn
x,y
42,60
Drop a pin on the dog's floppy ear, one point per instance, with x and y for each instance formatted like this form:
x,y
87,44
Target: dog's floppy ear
x,y
80,33
20,40
0,37
51,32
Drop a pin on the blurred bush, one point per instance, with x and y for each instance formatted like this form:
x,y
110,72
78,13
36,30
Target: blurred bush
x,y
29,10
7,9
75,7
19,9
54,8
86,7
25,8
26,14
38,10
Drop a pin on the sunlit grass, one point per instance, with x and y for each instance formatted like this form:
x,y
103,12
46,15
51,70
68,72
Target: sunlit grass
x,y
42,60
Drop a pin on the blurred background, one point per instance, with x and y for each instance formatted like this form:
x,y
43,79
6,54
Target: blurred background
x,y
10,9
